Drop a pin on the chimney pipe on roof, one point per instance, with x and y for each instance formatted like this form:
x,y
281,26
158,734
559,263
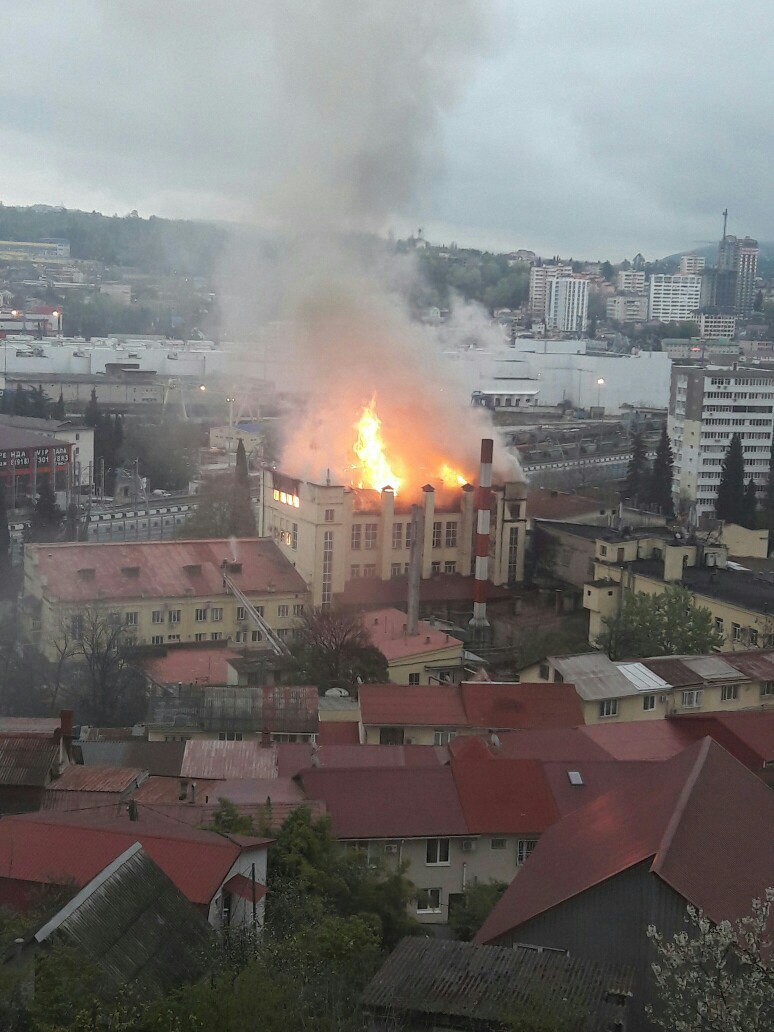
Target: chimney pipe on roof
x,y
479,623
265,738
66,723
415,568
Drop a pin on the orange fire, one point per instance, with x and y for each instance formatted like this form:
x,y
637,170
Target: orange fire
x,y
373,469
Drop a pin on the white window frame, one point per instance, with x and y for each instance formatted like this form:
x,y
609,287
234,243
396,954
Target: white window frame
x,y
429,909
692,698
173,616
413,678
608,708
200,616
157,616
216,614
524,848
439,847
648,703
729,692
283,610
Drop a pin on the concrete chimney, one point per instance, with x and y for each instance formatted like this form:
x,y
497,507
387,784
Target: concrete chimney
x,y
415,567
479,623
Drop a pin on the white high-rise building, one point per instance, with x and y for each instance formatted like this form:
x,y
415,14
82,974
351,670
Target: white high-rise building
x,y
691,264
674,298
629,281
707,404
538,277
567,302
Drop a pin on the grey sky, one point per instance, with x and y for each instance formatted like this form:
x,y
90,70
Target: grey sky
x,y
584,128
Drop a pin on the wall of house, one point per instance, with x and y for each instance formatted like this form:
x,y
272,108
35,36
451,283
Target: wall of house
x,y
565,556
413,734
241,910
440,660
743,542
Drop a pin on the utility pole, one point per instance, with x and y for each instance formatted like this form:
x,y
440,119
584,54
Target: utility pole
x,y
725,221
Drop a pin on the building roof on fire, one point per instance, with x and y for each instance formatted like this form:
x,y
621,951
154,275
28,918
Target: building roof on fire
x,y
700,803
75,572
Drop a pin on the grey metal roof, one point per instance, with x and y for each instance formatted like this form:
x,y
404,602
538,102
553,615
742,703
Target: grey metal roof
x,y
594,675
643,679
712,668
489,985
160,758
27,760
135,927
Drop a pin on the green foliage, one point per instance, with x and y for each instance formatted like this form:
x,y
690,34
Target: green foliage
x,y
229,821
749,514
659,625
478,900
729,503
212,517
58,408
242,517
486,278
662,477
334,649
168,466
636,483
47,517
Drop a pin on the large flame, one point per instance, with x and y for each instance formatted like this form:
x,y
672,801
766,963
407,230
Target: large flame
x,y
374,469
451,477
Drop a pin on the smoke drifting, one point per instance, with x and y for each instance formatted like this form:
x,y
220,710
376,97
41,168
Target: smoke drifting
x,y
363,89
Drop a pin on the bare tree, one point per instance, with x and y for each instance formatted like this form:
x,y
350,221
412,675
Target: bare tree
x,y
335,649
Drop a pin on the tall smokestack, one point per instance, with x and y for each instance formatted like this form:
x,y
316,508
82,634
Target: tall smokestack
x,y
415,567
483,510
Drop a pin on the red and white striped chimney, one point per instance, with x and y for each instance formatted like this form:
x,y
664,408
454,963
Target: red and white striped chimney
x,y
483,511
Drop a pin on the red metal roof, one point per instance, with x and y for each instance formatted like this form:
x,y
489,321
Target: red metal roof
x,y
746,734
561,743
501,796
190,664
758,664
338,732
342,756
47,726
388,803
639,739
399,704
29,760
245,887
499,705
228,760
681,814
60,848
161,569
387,628
76,778
673,671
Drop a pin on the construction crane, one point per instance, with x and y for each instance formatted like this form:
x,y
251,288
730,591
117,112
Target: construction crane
x,y
278,647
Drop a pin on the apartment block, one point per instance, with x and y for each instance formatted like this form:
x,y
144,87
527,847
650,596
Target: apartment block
x,y
538,278
629,281
627,307
716,324
674,298
567,302
691,265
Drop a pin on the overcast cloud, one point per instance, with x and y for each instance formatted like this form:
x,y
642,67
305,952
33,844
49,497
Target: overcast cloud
x,y
590,128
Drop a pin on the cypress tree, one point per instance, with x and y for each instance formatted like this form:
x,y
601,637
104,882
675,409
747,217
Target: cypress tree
x,y
5,537
750,505
91,413
21,402
729,504
47,518
635,485
662,477
242,517
58,409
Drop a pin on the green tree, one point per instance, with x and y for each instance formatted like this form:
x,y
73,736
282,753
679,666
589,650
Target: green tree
x,y
478,901
334,649
21,402
58,408
729,503
92,413
662,477
659,625
212,517
242,516
228,820
47,517
750,505
636,482
40,403
716,977
608,271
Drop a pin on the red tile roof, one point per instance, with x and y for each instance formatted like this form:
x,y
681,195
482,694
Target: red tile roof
x,y
245,887
427,704
388,803
338,732
73,847
190,664
683,812
523,705
160,569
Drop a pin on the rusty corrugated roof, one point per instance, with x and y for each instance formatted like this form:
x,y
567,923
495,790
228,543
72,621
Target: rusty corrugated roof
x,y
162,758
221,761
758,665
77,778
28,760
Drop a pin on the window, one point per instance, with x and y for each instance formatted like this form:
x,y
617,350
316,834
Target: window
x,y
370,536
282,633
240,637
498,843
157,639
131,619
216,635
173,637
523,849
354,571
753,638
173,616
356,537
608,708
719,624
157,616
413,679
397,535
443,737
369,570
395,568
736,632
729,692
241,613
603,549
259,610
294,536
409,534
450,566
767,689
437,529
329,515
255,635
437,851
435,567
429,901
544,671
201,615
649,702
229,736
283,610
200,636
390,736
451,535
298,609
216,613
692,698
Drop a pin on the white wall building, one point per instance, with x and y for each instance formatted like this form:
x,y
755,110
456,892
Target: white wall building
x,y
674,298
716,325
627,308
691,264
567,302
628,281
538,278
706,406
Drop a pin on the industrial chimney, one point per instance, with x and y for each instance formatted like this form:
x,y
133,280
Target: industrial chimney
x,y
479,623
415,568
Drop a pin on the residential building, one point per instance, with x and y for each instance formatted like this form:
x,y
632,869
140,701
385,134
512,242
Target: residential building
x,y
714,324
78,786
697,349
131,925
55,848
428,656
34,751
736,271
673,298
493,987
691,265
162,591
26,456
538,278
627,307
335,535
651,689
567,302
638,856
435,714
630,281
707,404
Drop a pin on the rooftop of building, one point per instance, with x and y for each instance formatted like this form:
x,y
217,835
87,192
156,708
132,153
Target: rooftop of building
x,y
366,592
269,707
204,663
743,588
76,572
48,426
546,504
387,628
20,437
592,532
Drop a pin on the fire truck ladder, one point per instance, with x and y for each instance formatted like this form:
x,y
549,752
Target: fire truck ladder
x,y
277,646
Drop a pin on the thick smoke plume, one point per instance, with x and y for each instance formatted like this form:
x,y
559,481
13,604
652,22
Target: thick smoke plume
x,y
357,133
